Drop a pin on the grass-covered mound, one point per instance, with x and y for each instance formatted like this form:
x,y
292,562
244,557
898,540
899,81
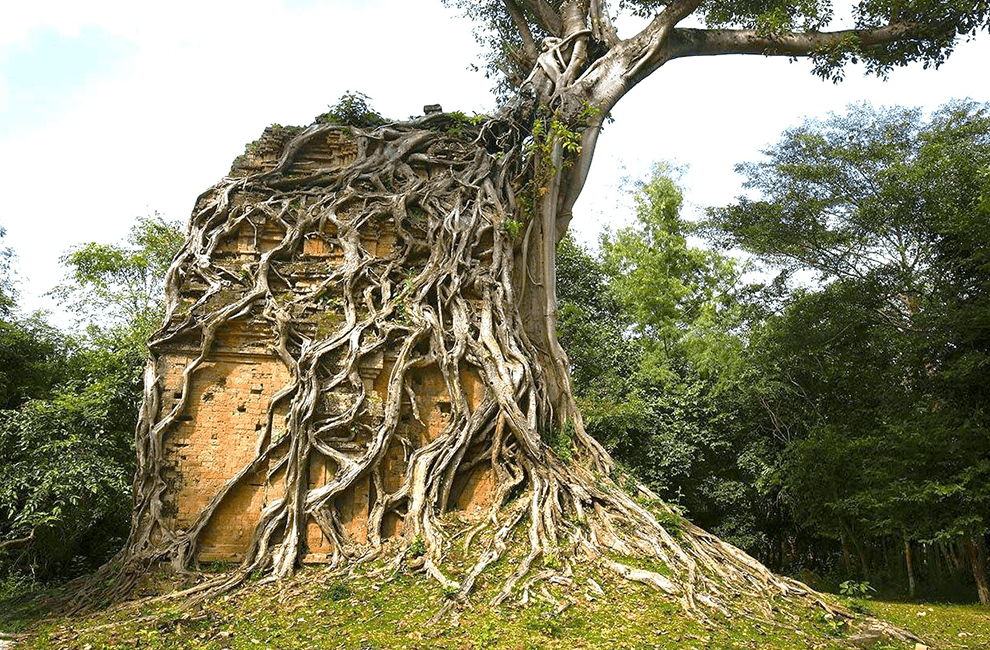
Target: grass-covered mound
x,y
318,609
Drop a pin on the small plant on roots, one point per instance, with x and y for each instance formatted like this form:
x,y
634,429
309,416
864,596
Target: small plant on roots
x,y
352,109
512,227
417,548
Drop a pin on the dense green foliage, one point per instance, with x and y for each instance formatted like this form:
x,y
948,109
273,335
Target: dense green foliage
x,y
33,356
651,324
819,421
882,363
68,406
116,289
68,463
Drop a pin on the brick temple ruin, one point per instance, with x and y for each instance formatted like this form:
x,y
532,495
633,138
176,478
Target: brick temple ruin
x,y
231,392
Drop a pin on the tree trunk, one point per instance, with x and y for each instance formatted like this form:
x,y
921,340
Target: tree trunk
x,y
957,551
860,551
949,558
976,553
845,552
908,560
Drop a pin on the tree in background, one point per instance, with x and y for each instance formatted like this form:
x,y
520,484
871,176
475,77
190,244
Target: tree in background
x,y
34,358
655,329
30,349
844,414
68,406
6,280
880,364
119,288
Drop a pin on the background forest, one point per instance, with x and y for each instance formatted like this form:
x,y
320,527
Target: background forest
x,y
801,372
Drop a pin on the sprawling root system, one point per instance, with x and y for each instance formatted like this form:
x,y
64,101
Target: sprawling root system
x,y
464,290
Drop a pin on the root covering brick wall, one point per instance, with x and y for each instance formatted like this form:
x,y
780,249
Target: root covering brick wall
x,y
238,394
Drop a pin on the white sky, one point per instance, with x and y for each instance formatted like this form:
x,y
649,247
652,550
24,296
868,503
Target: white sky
x,y
110,109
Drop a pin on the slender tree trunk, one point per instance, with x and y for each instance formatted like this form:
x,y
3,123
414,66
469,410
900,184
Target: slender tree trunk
x,y
845,552
976,553
909,561
863,562
949,559
958,555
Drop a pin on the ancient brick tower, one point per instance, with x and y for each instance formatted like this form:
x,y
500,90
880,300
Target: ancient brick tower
x,y
231,392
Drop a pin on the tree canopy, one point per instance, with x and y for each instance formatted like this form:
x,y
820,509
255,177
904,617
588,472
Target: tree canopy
x,y
112,286
880,33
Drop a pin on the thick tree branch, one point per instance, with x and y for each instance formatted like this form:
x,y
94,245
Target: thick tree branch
x,y
656,33
631,60
547,17
529,43
677,11
575,21
709,42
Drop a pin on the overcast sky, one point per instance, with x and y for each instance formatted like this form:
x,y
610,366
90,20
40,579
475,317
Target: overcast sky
x,y
110,109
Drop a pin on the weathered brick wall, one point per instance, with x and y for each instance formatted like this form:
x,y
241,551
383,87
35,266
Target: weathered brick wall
x,y
220,432
217,438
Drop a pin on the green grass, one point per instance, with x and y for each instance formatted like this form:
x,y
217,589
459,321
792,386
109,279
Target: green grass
x,y
942,625
317,610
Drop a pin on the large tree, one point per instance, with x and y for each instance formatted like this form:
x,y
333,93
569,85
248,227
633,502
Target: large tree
x,y
479,206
